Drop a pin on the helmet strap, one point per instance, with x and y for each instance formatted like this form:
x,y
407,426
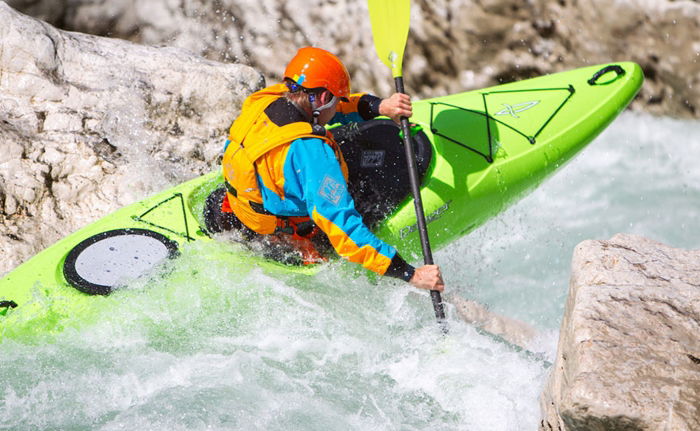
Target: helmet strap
x,y
314,98
317,110
316,128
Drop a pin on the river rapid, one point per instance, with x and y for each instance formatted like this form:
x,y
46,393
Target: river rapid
x,y
221,347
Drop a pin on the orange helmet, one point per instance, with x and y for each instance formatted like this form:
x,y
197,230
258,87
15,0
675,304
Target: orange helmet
x,y
316,67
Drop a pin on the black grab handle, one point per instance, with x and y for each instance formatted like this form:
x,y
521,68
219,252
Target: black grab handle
x,y
612,68
8,304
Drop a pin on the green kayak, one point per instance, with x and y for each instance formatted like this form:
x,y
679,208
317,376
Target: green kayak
x,y
477,153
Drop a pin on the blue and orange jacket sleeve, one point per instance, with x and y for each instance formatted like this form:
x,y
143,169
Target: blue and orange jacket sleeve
x,y
311,169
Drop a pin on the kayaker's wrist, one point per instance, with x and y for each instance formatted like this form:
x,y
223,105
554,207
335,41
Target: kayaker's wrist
x,y
368,107
428,277
396,107
400,269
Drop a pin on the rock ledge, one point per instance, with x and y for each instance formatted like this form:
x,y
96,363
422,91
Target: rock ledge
x,y
89,124
629,350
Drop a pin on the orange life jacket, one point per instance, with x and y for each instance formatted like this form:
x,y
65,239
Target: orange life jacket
x,y
252,136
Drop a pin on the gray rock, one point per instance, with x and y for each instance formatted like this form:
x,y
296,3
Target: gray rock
x,y
454,45
662,36
629,349
89,124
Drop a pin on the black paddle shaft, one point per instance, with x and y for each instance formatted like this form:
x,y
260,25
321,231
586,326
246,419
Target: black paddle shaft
x,y
418,202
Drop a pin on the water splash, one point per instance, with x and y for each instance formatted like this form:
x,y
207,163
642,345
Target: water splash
x,y
222,345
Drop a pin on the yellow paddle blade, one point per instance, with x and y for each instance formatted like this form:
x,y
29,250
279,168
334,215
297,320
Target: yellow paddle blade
x,y
390,21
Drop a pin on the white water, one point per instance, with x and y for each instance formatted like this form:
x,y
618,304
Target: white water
x,y
221,347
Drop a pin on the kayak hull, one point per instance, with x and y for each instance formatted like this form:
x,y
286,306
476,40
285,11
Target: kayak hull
x,y
490,147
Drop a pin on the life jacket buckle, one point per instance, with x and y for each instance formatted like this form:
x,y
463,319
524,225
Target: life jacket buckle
x,y
302,229
283,226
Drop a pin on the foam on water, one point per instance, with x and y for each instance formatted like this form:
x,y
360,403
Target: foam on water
x,y
640,176
220,345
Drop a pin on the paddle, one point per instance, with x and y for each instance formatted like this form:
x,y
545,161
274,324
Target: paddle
x,y
390,21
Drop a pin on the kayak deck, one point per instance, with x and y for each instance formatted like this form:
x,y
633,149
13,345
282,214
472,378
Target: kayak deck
x,y
479,152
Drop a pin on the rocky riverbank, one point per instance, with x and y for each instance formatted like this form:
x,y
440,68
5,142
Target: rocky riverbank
x,y
453,46
629,351
76,110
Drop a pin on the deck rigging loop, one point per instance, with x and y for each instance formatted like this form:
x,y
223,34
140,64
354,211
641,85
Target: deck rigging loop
x,y
186,234
512,111
5,306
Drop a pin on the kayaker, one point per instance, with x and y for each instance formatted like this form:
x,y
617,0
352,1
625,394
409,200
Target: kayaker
x,y
285,176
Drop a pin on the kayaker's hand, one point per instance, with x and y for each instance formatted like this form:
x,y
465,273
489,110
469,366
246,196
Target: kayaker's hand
x,y
428,277
396,106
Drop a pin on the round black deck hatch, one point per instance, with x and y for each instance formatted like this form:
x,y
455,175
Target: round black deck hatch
x,y
110,259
